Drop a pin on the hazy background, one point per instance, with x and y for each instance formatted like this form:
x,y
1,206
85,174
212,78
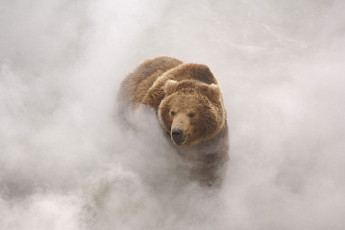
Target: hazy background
x,y
65,163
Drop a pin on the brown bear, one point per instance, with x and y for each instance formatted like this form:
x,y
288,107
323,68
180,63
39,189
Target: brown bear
x,y
189,105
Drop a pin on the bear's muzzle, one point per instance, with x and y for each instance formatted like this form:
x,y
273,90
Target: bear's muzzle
x,y
178,136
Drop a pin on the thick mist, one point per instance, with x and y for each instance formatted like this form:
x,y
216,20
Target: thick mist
x,y
67,163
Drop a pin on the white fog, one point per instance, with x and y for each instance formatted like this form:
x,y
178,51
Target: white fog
x,y
66,163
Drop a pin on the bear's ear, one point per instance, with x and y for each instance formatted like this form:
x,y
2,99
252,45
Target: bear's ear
x,y
170,87
213,92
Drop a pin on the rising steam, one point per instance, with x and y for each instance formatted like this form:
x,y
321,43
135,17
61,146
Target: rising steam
x,y
66,163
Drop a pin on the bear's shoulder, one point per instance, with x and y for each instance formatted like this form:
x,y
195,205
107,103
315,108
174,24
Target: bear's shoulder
x,y
137,83
182,72
191,71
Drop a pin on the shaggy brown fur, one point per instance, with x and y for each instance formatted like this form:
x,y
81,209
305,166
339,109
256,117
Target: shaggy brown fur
x,y
190,108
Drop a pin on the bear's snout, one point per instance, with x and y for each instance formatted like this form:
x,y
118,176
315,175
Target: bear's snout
x,y
177,133
178,136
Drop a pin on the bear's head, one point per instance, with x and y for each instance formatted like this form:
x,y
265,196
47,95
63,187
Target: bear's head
x,y
191,111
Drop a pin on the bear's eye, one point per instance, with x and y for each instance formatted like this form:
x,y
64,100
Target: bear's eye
x,y
191,115
172,113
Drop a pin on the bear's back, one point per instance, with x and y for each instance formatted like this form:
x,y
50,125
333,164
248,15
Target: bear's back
x,y
137,83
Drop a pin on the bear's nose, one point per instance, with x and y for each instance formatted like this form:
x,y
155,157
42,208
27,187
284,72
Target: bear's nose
x,y
176,133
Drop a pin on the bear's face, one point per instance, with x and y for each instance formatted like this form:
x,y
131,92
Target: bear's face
x,y
191,112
